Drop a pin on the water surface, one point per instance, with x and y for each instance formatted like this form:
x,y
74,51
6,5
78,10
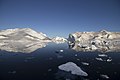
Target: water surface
x,y
43,63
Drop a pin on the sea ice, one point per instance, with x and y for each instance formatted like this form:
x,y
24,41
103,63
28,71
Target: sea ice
x,y
109,60
84,63
99,59
73,68
61,50
104,76
102,55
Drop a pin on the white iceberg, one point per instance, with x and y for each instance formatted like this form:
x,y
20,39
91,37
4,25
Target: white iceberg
x,y
94,47
73,68
103,41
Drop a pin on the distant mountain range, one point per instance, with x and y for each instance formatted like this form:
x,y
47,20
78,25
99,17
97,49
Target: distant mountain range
x,y
24,40
27,40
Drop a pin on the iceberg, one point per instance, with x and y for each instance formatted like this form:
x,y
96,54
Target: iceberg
x,y
102,41
73,68
59,40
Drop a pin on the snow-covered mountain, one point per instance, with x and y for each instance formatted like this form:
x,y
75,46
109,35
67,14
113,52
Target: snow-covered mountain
x,y
24,34
23,40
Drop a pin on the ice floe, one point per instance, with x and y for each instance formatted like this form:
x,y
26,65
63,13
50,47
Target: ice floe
x,y
73,68
99,59
109,60
104,76
61,50
85,63
102,55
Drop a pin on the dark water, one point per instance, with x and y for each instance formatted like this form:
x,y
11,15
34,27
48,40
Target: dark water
x,y
43,63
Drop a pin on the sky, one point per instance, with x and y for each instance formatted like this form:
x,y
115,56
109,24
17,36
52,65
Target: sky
x,y
60,17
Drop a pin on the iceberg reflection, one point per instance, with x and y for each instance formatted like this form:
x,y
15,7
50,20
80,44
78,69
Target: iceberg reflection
x,y
109,48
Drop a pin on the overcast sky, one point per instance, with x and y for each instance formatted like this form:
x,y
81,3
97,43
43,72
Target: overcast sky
x,y
60,17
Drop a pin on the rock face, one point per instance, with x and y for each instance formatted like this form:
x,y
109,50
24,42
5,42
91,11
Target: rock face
x,y
102,40
23,40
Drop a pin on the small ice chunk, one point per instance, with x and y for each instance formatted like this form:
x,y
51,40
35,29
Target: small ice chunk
x,y
104,76
84,63
102,55
99,59
73,68
76,55
109,60
61,50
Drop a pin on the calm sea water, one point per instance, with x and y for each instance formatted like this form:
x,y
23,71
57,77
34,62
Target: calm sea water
x,y
43,63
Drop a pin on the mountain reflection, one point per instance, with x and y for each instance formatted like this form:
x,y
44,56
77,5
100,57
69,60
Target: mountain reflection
x,y
24,47
30,46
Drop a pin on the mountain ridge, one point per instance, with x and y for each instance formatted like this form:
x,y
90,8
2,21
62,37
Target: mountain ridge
x,y
20,33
